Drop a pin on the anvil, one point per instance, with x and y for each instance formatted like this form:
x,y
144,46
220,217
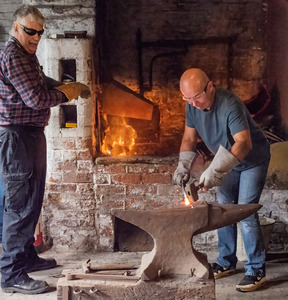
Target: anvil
x,y
172,230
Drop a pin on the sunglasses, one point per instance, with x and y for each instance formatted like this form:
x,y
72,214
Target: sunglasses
x,y
31,31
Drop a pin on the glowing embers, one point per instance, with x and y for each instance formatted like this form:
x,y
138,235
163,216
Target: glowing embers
x,y
119,138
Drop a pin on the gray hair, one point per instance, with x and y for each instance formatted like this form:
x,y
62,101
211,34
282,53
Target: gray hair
x,y
25,11
28,10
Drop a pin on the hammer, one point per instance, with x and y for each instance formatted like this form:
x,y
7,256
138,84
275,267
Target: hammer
x,y
191,191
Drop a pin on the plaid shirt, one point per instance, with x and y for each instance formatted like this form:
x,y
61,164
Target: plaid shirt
x,y
24,95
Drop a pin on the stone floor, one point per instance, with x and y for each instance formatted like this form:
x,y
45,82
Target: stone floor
x,y
276,287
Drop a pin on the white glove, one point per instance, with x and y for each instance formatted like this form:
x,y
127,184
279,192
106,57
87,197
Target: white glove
x,y
182,173
223,162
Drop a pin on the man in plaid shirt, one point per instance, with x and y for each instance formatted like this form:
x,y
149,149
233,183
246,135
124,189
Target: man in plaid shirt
x,y
26,96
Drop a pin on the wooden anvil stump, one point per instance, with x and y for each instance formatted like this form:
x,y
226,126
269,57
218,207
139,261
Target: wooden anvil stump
x,y
173,230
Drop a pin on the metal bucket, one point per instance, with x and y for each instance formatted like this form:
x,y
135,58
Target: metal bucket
x,y
266,228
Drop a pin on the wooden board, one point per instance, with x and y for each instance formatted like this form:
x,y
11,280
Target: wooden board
x,y
168,288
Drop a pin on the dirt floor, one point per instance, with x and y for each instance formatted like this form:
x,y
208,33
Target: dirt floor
x,y
275,288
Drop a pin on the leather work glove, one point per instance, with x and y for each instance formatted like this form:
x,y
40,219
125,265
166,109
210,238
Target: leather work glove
x,y
223,162
182,174
74,90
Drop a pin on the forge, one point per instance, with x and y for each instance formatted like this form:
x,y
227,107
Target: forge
x,y
172,270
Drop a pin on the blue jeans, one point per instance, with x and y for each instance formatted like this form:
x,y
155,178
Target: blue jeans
x,y
243,187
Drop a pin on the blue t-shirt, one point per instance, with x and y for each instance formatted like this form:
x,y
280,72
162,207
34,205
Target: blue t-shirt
x,y
228,116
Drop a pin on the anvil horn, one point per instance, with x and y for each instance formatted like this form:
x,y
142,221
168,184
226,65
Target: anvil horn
x,y
173,230
223,215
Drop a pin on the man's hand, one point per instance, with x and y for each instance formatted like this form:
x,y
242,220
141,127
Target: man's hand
x,y
223,162
182,174
211,178
74,90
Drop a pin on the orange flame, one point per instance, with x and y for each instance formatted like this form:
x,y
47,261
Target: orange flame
x,y
186,201
119,138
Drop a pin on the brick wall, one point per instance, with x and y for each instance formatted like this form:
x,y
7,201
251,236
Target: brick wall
x,y
134,183
78,218
130,183
70,201
146,183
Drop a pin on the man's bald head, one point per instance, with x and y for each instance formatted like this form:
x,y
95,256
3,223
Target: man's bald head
x,y
197,89
193,79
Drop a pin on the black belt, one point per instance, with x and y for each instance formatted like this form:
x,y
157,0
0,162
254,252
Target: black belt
x,y
25,128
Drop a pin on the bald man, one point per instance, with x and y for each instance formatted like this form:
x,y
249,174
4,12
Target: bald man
x,y
239,167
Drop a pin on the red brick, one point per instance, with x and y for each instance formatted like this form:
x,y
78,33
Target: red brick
x,y
102,179
83,143
107,202
141,168
106,231
77,177
126,178
56,165
55,177
85,165
54,197
64,143
167,168
110,190
85,188
70,201
86,197
136,202
84,155
69,155
141,189
69,165
87,203
168,189
76,218
66,187
157,178
110,169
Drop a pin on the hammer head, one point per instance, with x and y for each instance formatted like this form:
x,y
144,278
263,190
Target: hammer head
x,y
191,191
